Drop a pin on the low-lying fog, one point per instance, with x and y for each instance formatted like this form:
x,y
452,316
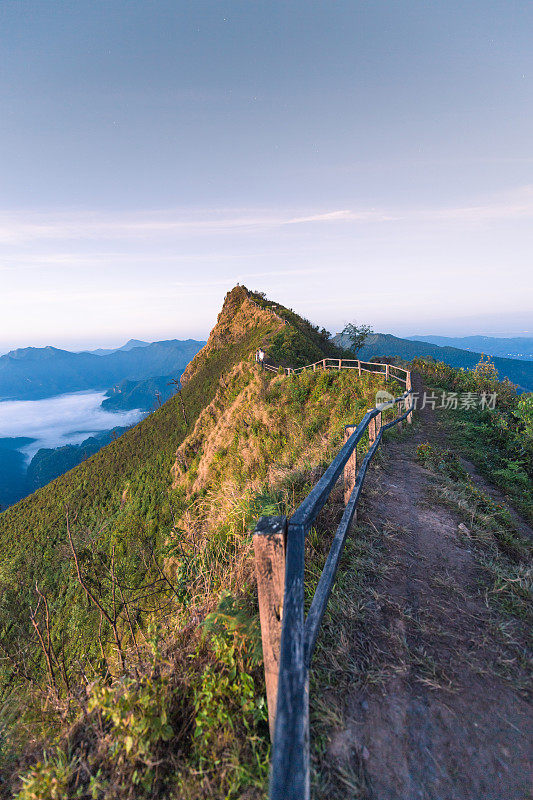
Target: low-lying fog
x,y
56,421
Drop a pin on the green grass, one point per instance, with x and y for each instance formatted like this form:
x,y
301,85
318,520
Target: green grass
x,y
489,528
498,441
163,548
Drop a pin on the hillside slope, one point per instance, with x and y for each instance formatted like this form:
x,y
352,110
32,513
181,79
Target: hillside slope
x,y
384,344
157,535
142,457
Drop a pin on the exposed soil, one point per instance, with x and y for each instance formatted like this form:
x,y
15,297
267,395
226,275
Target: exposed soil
x,y
448,717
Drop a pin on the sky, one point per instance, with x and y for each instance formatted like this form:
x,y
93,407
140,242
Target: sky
x,y
357,161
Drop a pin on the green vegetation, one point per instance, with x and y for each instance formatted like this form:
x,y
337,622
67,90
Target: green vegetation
x,y
48,463
299,342
498,441
129,644
378,345
356,336
489,528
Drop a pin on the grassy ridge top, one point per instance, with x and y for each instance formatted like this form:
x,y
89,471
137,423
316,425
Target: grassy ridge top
x,y
121,492
177,496
96,486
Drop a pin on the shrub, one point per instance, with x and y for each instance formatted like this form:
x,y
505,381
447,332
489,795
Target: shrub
x,y
49,779
483,378
136,711
524,412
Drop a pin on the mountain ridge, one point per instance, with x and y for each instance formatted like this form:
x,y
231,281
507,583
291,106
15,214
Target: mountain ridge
x,y
385,344
34,373
157,527
131,344
517,347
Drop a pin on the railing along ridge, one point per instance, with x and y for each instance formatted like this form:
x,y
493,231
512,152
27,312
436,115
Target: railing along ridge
x,y
387,370
289,638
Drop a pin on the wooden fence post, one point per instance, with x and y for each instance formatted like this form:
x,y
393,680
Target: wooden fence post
x,y
371,431
359,367
387,371
350,469
409,399
399,414
269,549
374,427
324,364
340,361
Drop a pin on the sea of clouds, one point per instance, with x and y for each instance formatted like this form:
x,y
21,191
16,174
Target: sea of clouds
x,y
61,420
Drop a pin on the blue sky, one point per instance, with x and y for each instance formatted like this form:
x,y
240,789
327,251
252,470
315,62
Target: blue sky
x,y
366,161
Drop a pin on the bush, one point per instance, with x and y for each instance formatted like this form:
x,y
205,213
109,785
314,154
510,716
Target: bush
x,y
500,440
48,779
524,412
483,378
136,711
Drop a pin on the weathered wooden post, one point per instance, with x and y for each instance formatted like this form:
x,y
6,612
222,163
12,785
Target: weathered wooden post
x,y
269,538
324,364
340,362
399,414
350,470
386,372
371,430
374,427
359,367
409,399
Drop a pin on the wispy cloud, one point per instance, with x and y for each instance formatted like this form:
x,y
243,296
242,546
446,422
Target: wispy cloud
x,y
346,215
24,227
148,225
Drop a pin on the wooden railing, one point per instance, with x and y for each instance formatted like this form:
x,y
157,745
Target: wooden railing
x,y
288,636
389,371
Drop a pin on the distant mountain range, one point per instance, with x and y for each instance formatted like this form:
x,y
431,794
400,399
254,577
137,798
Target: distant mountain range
x,y
32,373
130,345
516,347
139,375
384,344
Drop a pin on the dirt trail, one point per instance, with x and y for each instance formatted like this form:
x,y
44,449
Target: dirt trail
x,y
448,719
